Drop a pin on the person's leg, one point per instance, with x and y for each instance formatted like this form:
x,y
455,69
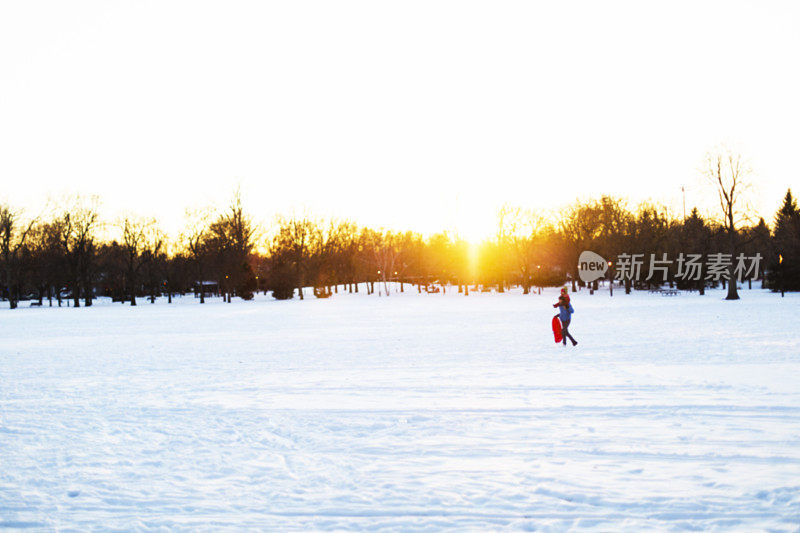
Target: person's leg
x,y
574,342
567,334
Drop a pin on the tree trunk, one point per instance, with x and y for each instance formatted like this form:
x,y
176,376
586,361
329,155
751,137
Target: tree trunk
x,y
733,294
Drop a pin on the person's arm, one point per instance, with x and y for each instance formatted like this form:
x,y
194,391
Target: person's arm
x,y
571,310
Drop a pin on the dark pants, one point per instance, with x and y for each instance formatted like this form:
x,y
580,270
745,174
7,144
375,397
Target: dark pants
x,y
565,332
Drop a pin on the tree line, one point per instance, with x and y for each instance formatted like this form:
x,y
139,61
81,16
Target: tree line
x,y
225,254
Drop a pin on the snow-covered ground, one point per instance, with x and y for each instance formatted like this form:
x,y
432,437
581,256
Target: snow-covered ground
x,y
413,412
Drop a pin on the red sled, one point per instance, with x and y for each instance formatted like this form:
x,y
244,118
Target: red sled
x,y
557,329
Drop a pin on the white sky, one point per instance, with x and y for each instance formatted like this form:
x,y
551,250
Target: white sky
x,y
421,115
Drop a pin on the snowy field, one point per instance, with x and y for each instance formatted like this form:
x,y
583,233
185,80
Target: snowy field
x,y
413,412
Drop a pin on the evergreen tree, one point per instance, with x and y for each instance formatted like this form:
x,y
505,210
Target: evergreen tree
x,y
695,238
785,268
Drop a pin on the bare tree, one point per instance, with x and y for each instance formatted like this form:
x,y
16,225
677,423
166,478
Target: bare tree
x,y
580,226
342,244
728,174
78,224
195,240
521,233
13,234
141,242
45,265
293,244
387,258
154,258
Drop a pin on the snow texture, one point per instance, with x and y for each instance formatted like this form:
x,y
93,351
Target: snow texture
x,y
412,412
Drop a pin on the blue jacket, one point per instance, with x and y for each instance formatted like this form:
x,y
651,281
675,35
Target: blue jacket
x,y
565,313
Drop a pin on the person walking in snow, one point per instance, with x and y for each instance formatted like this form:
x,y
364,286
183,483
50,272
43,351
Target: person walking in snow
x,y
565,311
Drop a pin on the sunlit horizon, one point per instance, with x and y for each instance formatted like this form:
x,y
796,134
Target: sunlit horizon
x,y
474,224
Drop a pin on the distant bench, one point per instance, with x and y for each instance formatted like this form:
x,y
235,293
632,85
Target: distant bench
x,y
665,292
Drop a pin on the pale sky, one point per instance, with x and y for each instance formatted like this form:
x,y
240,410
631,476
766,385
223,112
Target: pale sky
x,y
424,115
